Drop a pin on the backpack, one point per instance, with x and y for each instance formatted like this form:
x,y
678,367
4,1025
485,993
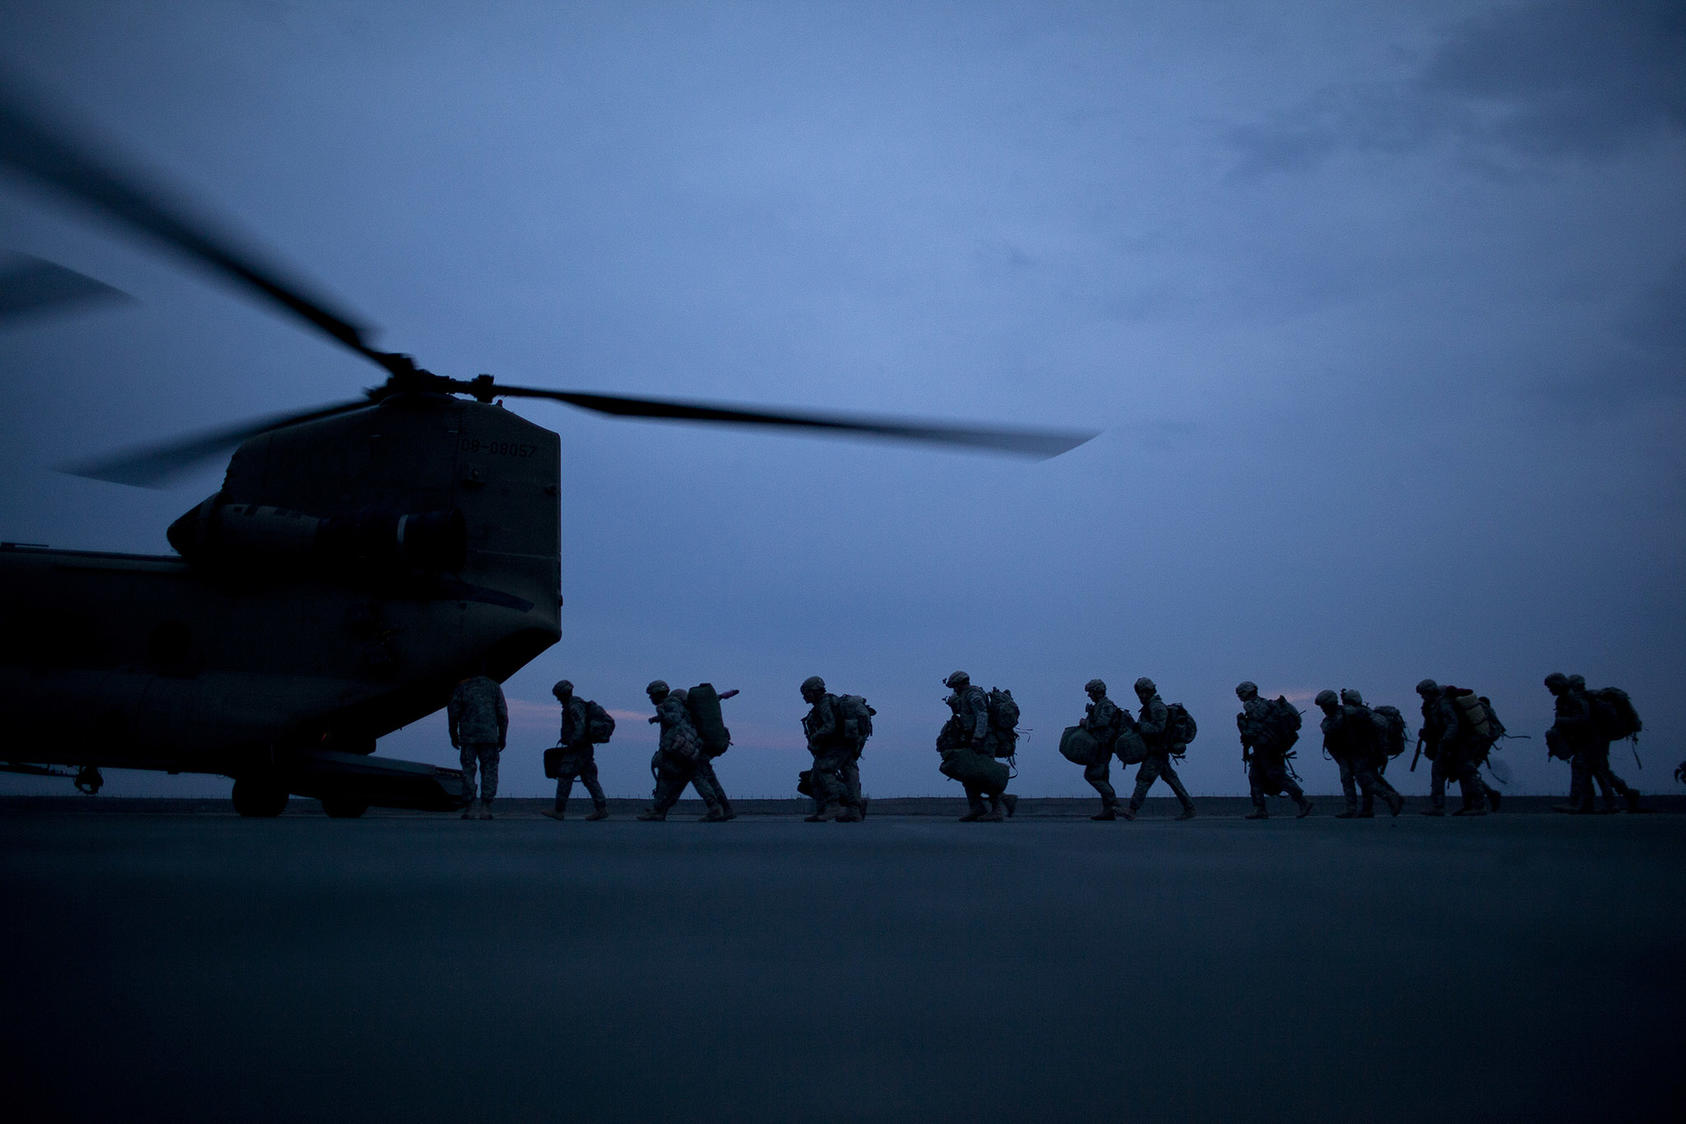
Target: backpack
x,y
854,719
1474,715
1179,726
1393,729
599,723
1613,714
1282,722
702,702
1003,722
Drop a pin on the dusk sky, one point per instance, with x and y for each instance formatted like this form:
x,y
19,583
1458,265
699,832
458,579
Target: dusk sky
x,y
1378,309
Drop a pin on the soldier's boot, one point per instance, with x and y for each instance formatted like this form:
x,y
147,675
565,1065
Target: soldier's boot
x,y
849,814
649,815
1109,811
1259,812
1305,808
1470,808
600,812
821,813
976,810
1367,807
1578,808
1632,798
996,814
1351,812
472,810
1012,803
1129,810
726,812
485,810
716,814
1395,803
554,813
1436,807
1188,810
1494,799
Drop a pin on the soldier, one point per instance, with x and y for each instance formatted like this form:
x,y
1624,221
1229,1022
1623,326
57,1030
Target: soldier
x,y
831,748
967,731
679,758
1154,724
1453,753
1265,742
1353,736
1576,731
1103,720
578,758
479,722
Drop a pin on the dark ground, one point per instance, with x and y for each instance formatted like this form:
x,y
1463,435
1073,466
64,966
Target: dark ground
x,y
171,960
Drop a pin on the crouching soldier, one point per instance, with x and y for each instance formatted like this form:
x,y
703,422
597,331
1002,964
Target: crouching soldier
x,y
1268,732
576,755
1154,723
832,749
679,758
1353,736
479,720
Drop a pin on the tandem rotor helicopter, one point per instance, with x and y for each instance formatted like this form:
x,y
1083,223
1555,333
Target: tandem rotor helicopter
x,y
358,561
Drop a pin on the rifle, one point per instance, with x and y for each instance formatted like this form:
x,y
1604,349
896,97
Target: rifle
x,y
1417,754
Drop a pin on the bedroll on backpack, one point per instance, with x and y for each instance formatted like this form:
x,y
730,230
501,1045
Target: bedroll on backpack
x,y
1079,746
983,773
703,704
1613,714
1179,726
854,718
1393,729
599,724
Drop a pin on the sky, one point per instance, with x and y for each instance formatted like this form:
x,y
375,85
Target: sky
x,y
1377,309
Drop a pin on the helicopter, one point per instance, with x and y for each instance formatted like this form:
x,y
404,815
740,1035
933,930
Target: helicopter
x,y
359,559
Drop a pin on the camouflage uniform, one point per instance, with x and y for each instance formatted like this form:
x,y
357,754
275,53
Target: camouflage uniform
x,y
1154,722
968,730
578,759
1353,736
679,757
1452,753
479,721
832,749
1265,755
1102,718
1589,751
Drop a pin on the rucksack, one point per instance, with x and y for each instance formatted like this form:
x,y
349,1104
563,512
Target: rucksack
x,y
702,702
1474,716
1613,714
1282,722
1393,729
599,723
854,718
1003,712
1179,726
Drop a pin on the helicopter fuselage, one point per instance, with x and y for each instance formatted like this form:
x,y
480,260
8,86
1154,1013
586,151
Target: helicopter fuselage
x,y
347,575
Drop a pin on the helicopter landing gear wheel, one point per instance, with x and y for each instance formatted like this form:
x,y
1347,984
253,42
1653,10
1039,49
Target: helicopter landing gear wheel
x,y
259,796
344,806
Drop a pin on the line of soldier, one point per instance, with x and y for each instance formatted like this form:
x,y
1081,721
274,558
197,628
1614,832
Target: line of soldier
x,y
1459,729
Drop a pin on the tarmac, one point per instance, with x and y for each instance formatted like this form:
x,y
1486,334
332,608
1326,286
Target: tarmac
x,y
171,960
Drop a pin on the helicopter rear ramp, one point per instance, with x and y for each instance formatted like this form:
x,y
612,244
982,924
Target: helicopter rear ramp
x,y
382,782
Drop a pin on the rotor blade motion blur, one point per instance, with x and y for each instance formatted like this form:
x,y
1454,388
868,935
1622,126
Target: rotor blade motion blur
x,y
31,145
1040,444
152,465
31,287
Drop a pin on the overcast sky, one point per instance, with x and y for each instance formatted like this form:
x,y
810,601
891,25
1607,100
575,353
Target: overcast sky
x,y
1378,307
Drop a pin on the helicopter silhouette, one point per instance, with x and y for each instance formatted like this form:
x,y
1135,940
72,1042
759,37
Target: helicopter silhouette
x,y
360,559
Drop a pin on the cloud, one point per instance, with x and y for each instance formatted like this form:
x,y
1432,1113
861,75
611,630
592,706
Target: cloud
x,y
1564,79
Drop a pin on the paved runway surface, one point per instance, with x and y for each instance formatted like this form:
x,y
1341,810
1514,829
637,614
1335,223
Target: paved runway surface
x,y
204,966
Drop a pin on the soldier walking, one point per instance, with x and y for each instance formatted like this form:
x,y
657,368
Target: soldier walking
x,y
1353,736
1266,738
1575,731
1453,752
1103,719
578,756
833,749
966,748
1154,722
679,758
479,722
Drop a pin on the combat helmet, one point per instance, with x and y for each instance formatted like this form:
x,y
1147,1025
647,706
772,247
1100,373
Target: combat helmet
x,y
1351,697
657,689
1246,689
1557,682
1095,685
1145,687
813,685
562,689
1428,687
957,679
1577,682
1326,698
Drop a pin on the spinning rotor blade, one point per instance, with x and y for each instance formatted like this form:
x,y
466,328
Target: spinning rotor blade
x,y
151,465
31,286
1040,444
30,144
